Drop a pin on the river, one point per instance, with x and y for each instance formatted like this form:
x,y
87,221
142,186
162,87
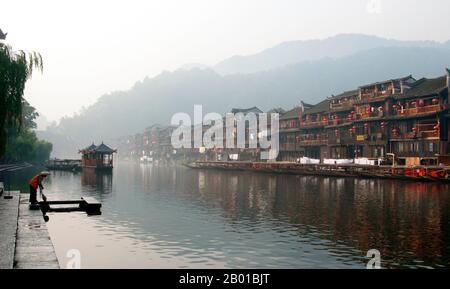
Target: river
x,y
175,217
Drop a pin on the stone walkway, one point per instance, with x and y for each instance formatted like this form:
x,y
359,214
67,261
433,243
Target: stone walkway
x,y
34,248
9,210
24,239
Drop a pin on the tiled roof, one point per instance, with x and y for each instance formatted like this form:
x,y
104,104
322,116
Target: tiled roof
x,y
90,148
246,110
322,106
277,110
425,87
291,114
345,94
104,149
389,80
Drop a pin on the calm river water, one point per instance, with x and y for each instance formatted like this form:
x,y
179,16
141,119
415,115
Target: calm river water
x,y
175,217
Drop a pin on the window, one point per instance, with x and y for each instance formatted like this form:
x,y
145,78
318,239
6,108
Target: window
x,y
400,147
432,147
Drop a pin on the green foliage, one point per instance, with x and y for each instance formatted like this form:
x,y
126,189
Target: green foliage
x,y
23,144
15,69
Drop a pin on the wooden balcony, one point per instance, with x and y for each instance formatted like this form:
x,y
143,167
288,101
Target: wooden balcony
x,y
419,110
312,124
337,106
338,121
430,134
288,128
370,115
375,137
288,147
376,96
313,142
340,140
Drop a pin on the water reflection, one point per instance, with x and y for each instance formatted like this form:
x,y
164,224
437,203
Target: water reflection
x,y
97,181
176,217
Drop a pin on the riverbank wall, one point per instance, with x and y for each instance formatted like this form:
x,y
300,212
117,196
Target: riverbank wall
x,y
412,173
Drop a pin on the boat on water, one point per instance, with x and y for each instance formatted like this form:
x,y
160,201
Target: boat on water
x,y
64,165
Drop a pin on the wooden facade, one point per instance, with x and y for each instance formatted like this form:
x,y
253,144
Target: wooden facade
x,y
404,118
97,157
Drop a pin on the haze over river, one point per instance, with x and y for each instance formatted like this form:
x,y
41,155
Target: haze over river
x,y
175,217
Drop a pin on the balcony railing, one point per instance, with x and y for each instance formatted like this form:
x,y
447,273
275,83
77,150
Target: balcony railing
x,y
374,114
419,110
338,121
313,142
374,96
341,105
287,146
419,135
370,137
429,134
340,140
306,124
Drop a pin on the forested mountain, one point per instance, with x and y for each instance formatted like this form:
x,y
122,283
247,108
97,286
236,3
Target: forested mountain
x,y
155,100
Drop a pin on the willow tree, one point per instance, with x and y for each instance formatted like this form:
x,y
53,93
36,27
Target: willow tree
x,y
16,67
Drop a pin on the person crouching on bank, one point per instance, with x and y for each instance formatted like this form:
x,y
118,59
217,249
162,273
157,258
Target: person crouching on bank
x,y
35,183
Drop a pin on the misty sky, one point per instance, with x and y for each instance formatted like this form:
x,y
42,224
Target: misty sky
x,y
94,47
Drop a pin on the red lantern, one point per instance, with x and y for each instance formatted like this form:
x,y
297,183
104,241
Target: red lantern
x,y
367,109
437,126
421,102
380,108
394,106
413,103
394,132
383,125
435,101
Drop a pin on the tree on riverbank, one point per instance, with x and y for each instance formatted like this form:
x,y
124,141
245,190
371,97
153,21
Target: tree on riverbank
x,y
16,134
23,144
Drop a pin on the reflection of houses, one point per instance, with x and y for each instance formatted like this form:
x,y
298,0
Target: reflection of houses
x,y
97,157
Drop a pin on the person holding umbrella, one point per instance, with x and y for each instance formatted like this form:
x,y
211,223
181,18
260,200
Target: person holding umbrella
x,y
35,183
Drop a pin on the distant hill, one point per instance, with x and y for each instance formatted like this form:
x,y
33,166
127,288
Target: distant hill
x,y
297,51
155,100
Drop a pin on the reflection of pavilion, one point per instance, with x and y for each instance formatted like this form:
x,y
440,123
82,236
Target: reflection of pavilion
x,y
99,181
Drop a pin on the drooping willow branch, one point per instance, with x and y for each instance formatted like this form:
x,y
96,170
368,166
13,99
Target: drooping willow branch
x,y
16,67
